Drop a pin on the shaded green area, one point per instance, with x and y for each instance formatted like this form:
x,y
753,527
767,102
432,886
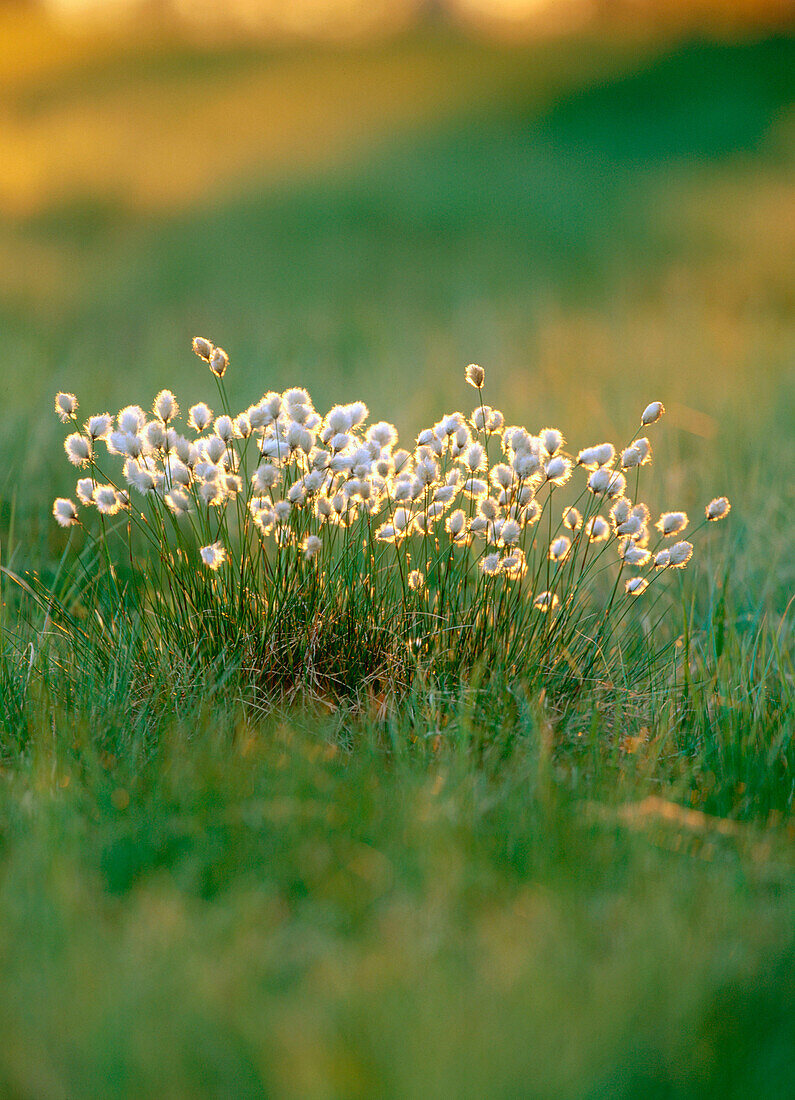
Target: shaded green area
x,y
293,910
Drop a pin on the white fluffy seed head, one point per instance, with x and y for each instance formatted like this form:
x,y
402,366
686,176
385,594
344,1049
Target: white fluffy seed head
x,y
131,419
636,585
97,427
199,416
65,512
178,501
717,509
106,500
552,440
572,519
558,470
224,428
546,602
456,524
510,532
311,546
671,523
597,529
475,376
66,406
219,361
203,348
416,580
632,554
486,419
662,559
165,406
490,565
600,455
514,565
155,435
213,555
214,448
559,548
630,458
680,554
85,490
643,447
652,413
78,449
475,457
242,426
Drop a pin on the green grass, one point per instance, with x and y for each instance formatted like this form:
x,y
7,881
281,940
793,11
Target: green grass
x,y
203,895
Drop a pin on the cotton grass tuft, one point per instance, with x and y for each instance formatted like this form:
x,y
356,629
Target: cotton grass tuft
x,y
319,552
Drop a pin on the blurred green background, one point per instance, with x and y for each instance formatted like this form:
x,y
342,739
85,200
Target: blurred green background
x,y
593,200
599,210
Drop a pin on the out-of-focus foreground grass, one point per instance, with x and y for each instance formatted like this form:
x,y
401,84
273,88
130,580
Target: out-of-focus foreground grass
x,y
328,905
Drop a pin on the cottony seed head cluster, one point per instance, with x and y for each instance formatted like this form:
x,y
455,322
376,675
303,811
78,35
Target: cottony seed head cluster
x,y
475,501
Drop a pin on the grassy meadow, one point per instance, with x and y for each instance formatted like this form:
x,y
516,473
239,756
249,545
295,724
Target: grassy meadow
x,y
206,892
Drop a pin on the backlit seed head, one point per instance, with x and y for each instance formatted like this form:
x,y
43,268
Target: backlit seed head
x,y
621,511
386,533
552,440
199,416
475,457
490,565
636,585
662,559
643,447
631,528
106,500
546,602
165,406
224,428
572,519
475,487
717,509
456,524
558,470
510,532
311,546
78,449
85,490
131,419
597,529
525,464
514,565
416,580
65,512
559,548
97,427
219,361
213,555
203,348
680,554
242,426
486,419
630,458
475,375
178,501
671,523
66,406
632,554
652,413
